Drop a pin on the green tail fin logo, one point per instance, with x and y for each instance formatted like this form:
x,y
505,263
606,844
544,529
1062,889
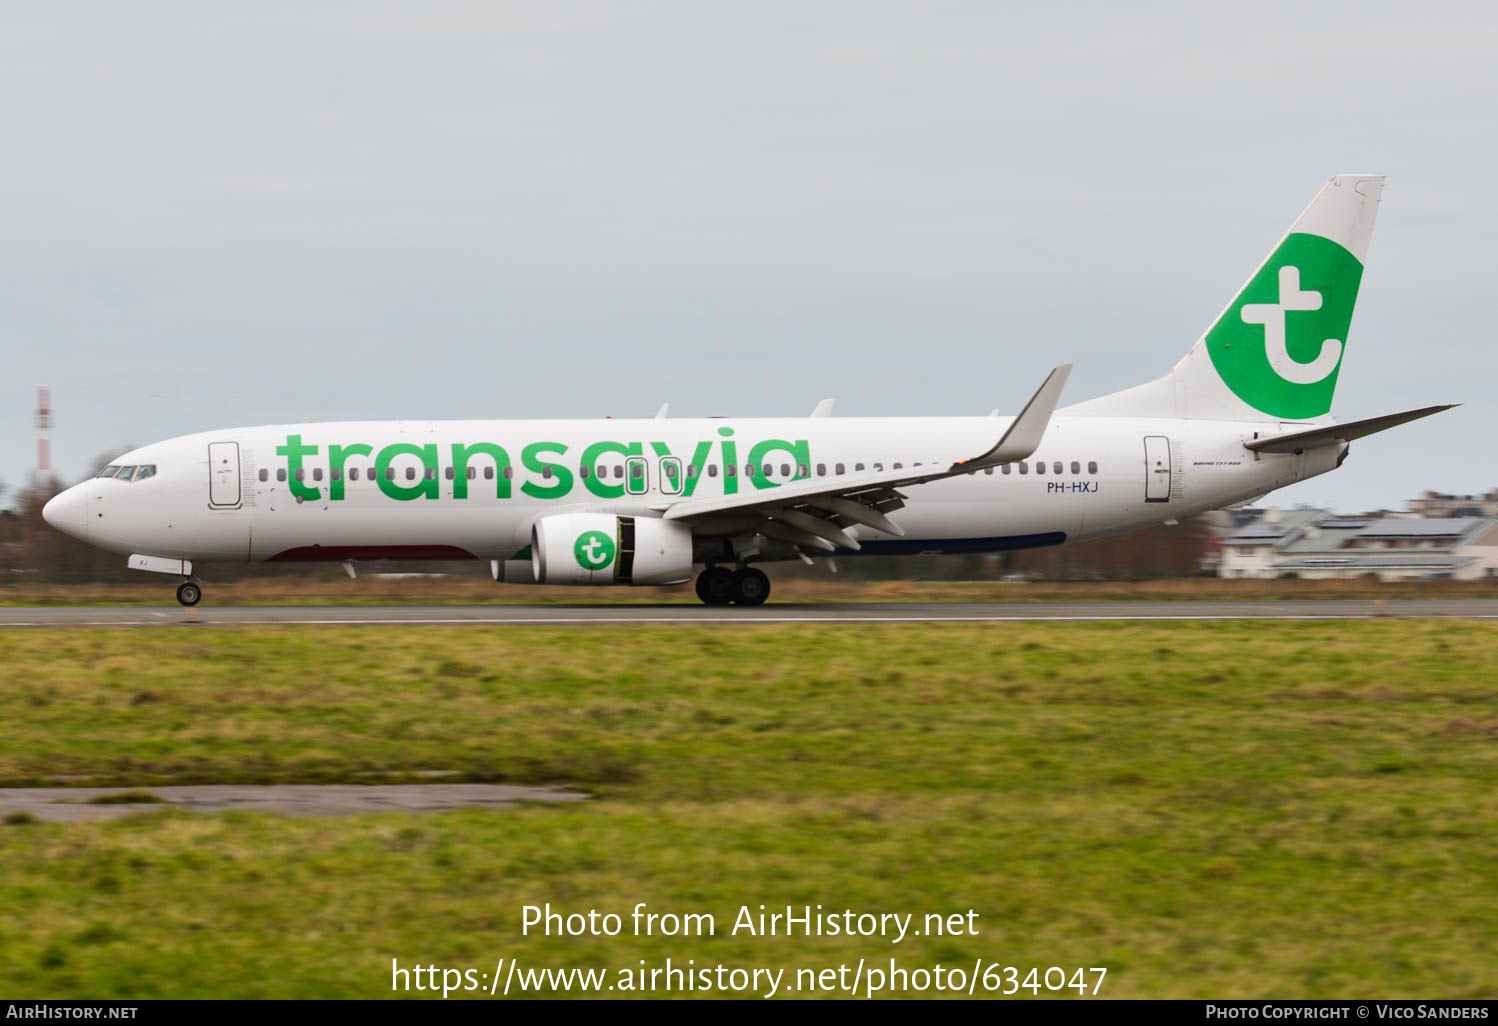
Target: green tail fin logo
x,y
1279,346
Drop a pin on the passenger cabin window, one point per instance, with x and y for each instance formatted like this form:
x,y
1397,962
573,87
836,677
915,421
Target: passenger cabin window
x,y
1006,468
451,473
618,471
336,473
473,472
821,470
1076,468
1056,466
731,470
858,466
509,472
1040,466
712,470
389,473
353,473
691,470
840,469
582,472
546,472
988,471
317,473
802,470
431,474
1092,466
1024,468
281,474
410,473
489,473
264,474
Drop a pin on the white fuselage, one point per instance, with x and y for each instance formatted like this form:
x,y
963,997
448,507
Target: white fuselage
x,y
473,489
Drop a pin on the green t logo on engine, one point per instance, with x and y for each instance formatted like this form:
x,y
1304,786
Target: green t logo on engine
x,y
594,550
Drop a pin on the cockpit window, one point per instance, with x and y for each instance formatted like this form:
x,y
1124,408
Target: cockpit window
x,y
138,473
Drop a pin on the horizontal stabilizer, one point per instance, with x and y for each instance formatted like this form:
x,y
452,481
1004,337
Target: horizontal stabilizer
x,y
1300,441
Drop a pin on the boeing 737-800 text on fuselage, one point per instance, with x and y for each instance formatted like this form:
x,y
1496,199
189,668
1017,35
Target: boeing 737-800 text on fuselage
x,y
1246,411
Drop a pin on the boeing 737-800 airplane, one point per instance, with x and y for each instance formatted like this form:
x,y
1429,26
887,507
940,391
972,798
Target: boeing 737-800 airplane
x,y
1247,410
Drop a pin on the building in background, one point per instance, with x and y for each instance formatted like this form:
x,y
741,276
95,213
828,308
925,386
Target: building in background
x,y
1316,543
1439,504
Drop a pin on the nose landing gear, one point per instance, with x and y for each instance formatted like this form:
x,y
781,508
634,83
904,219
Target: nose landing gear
x,y
189,593
717,586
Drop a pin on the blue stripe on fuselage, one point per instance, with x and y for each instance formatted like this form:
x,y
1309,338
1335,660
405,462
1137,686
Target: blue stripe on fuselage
x,y
915,546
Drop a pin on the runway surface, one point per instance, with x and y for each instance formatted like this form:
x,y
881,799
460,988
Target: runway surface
x,y
72,804
784,613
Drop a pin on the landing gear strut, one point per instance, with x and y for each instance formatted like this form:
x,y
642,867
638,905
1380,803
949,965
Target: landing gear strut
x,y
717,586
189,593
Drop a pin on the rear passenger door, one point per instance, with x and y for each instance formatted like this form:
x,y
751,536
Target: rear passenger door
x,y
1156,468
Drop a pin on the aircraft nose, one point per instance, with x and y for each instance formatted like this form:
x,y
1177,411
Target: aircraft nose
x,y
68,511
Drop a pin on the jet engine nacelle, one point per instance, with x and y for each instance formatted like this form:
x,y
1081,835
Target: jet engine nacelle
x,y
600,548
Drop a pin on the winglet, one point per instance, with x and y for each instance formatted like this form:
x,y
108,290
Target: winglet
x,y
1025,433
823,409
660,414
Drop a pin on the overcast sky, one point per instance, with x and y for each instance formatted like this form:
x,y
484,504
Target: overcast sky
x,y
308,211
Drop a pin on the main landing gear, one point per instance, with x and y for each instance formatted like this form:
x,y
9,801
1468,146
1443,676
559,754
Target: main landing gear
x,y
718,586
189,593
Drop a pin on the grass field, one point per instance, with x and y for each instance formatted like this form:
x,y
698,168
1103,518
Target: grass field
x,y
1233,809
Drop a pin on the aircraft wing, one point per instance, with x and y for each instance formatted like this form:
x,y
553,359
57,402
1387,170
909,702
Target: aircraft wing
x,y
1300,441
816,513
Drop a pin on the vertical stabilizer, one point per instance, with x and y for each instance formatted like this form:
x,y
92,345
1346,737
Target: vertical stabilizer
x,y
1275,352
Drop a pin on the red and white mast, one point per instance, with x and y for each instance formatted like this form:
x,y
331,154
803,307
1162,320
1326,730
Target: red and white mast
x,y
43,437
